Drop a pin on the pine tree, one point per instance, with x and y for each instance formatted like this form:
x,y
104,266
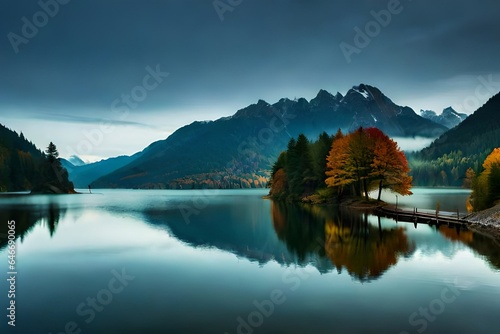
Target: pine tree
x,y
54,177
52,153
298,166
305,176
319,153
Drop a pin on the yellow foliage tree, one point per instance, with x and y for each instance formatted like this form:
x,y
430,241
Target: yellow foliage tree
x,y
486,187
339,170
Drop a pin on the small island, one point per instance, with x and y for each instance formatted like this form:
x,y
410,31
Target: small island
x,y
340,169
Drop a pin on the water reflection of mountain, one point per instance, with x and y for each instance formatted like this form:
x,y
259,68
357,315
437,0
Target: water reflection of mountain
x,y
246,233
26,217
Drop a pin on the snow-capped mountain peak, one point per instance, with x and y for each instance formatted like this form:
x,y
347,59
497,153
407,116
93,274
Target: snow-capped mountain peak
x,y
449,117
363,90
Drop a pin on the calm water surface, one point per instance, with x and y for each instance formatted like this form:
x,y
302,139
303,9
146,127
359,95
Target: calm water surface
x,y
231,262
449,199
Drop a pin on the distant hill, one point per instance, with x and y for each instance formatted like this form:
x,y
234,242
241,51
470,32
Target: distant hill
x,y
76,161
84,175
449,117
480,132
445,161
238,151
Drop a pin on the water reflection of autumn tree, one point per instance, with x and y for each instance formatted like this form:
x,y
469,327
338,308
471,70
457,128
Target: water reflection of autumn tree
x,y
456,234
483,245
347,239
364,250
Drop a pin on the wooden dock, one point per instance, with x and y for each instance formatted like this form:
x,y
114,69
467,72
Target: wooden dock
x,y
429,217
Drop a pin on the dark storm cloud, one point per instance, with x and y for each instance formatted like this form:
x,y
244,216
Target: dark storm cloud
x,y
92,52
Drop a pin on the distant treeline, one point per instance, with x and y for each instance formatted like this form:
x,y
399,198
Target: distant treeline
x,y
448,170
215,180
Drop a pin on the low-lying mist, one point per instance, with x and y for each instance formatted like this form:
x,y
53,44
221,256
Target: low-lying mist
x,y
413,144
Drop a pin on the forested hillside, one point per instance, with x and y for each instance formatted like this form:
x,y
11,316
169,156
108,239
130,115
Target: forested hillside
x,y
19,159
446,160
23,167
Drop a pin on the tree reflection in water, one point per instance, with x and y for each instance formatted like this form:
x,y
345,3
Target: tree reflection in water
x,y
345,237
26,217
365,251
484,245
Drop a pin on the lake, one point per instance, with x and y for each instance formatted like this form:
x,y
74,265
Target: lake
x,y
228,261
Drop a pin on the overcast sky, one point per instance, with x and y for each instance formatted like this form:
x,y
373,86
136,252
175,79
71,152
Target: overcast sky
x,y
148,67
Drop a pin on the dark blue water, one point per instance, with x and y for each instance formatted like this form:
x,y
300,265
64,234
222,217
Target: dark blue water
x,y
231,262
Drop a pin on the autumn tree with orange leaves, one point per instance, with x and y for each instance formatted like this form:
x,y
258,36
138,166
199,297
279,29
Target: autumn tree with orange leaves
x,y
367,158
389,166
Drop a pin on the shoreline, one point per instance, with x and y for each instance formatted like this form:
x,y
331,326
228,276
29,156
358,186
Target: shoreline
x,y
486,222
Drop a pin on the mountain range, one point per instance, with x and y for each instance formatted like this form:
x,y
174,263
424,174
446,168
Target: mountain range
x,y
446,160
449,117
238,151
83,174
480,132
